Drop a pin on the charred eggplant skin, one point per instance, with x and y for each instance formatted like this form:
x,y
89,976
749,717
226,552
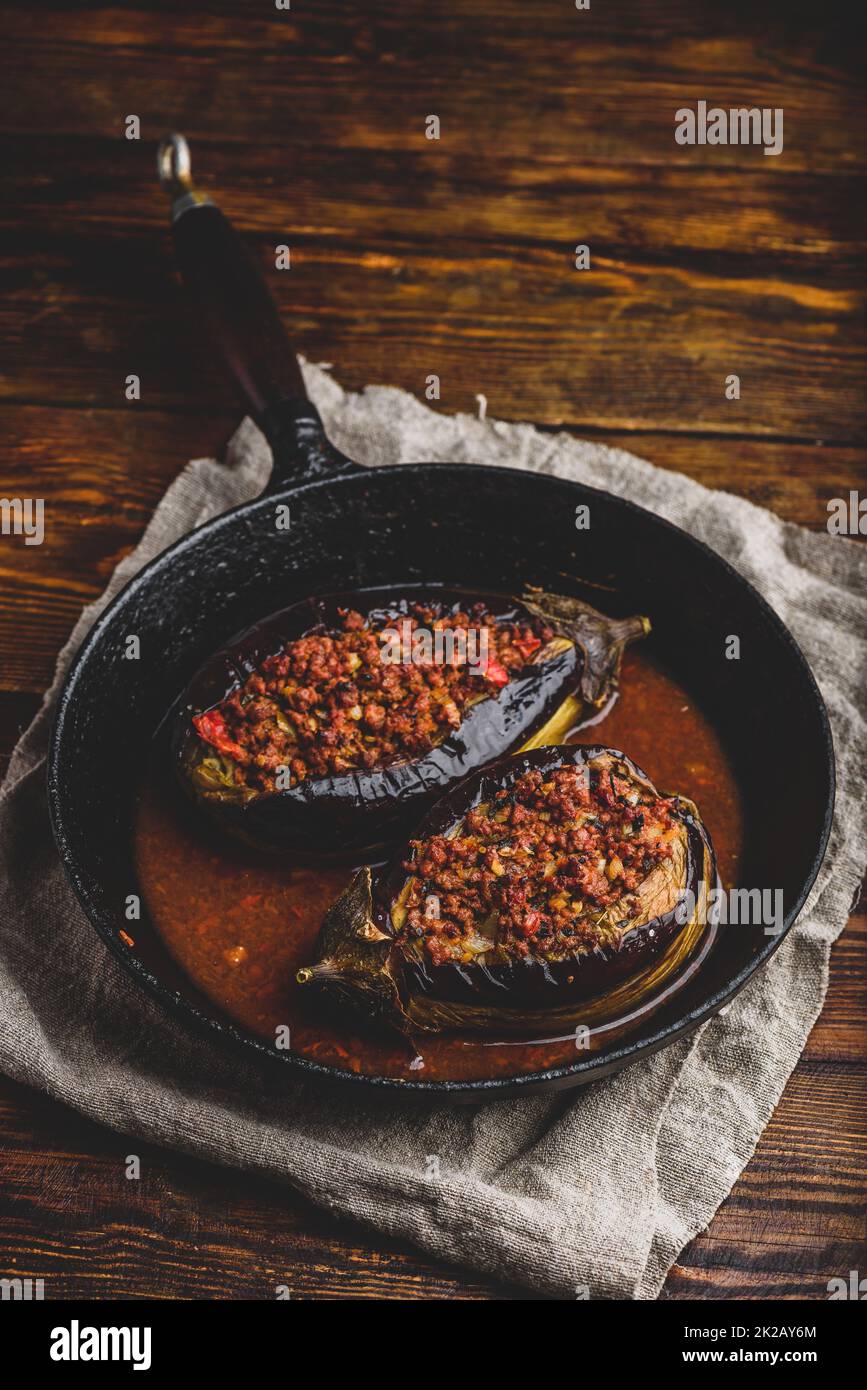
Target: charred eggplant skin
x,y
509,996
363,810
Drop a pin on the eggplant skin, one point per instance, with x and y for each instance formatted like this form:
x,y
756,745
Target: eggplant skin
x,y
361,963
353,812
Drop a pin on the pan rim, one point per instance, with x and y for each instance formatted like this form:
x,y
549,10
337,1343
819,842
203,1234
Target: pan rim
x,y
574,1073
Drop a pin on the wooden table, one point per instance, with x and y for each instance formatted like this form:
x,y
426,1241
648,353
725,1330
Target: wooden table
x,y
409,257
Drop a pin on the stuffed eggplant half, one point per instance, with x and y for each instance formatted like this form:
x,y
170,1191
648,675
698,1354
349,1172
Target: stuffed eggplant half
x,y
558,887
334,724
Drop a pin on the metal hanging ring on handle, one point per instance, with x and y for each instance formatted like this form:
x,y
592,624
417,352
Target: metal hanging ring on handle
x,y
174,167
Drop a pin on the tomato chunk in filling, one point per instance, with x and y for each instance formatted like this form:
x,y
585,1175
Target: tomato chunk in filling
x,y
328,703
536,870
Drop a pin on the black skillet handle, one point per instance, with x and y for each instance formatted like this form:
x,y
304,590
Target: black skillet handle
x,y
242,322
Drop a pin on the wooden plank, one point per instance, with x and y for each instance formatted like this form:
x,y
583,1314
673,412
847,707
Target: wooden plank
x,y
588,87
798,224
539,339
100,475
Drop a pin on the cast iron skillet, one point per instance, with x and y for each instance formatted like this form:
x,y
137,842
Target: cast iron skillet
x,y
489,528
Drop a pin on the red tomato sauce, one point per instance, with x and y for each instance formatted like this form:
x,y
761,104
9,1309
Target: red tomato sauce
x,y
241,923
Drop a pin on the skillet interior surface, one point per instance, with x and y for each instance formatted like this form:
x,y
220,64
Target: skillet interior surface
x,y
493,529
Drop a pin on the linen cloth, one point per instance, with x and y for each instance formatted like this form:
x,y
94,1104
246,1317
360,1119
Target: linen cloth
x,y
593,1191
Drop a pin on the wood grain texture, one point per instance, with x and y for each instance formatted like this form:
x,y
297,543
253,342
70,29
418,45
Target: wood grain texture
x,y
410,257
540,79
466,310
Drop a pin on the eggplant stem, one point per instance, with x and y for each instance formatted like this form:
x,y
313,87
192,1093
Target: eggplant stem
x,y
627,629
322,970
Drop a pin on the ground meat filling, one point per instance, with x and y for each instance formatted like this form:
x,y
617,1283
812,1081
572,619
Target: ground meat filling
x,y
539,869
328,702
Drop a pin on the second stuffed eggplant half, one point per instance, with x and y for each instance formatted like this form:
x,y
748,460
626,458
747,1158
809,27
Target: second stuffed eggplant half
x,y
333,725
557,887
